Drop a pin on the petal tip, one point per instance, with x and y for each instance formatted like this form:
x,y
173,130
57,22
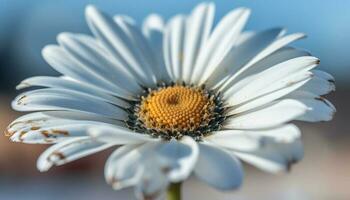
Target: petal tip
x,y
22,85
64,36
90,9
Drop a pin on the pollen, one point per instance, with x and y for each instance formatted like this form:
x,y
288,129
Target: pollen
x,y
176,108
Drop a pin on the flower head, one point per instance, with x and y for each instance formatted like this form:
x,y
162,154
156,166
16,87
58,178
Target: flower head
x,y
180,98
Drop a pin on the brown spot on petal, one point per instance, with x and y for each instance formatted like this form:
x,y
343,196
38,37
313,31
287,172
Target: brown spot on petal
x,y
20,100
60,155
8,133
323,100
61,132
53,133
34,128
48,140
45,133
31,122
21,135
320,98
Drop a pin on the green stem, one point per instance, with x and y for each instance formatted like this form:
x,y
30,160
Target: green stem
x,y
174,191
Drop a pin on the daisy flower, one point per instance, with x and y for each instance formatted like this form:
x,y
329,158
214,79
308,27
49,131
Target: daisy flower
x,y
175,99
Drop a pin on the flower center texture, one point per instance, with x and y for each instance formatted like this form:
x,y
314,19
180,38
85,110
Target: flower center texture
x,y
177,110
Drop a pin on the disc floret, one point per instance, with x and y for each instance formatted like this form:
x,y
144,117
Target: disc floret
x,y
177,110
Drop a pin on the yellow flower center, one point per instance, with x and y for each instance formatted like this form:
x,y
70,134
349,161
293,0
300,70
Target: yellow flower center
x,y
176,108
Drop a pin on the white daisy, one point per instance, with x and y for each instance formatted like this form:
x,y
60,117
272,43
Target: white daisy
x,y
180,98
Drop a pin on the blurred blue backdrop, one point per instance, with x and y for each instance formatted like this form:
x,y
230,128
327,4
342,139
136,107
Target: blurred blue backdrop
x,y
27,26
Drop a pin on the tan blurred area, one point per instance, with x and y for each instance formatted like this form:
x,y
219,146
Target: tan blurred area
x,y
324,173
20,159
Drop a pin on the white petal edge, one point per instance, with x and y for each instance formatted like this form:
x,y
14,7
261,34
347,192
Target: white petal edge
x,y
52,131
122,168
173,46
274,46
275,156
98,62
271,115
198,28
116,40
218,168
321,83
75,85
62,61
153,29
221,40
246,47
65,100
276,77
319,108
250,140
118,135
179,157
68,151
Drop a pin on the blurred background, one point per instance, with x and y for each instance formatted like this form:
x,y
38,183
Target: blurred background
x,y
27,26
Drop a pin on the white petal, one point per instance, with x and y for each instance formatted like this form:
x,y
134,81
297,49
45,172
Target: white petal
x,y
271,115
218,168
53,131
98,62
173,46
60,99
323,75
153,28
136,165
40,118
76,115
140,42
234,139
244,37
152,23
274,78
62,62
274,46
250,140
321,83
122,168
153,183
276,91
118,42
319,108
53,126
262,39
247,46
71,84
118,135
179,158
67,151
219,44
279,56
198,27
278,152
283,134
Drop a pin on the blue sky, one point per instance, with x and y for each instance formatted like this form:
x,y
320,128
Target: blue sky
x,y
29,25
